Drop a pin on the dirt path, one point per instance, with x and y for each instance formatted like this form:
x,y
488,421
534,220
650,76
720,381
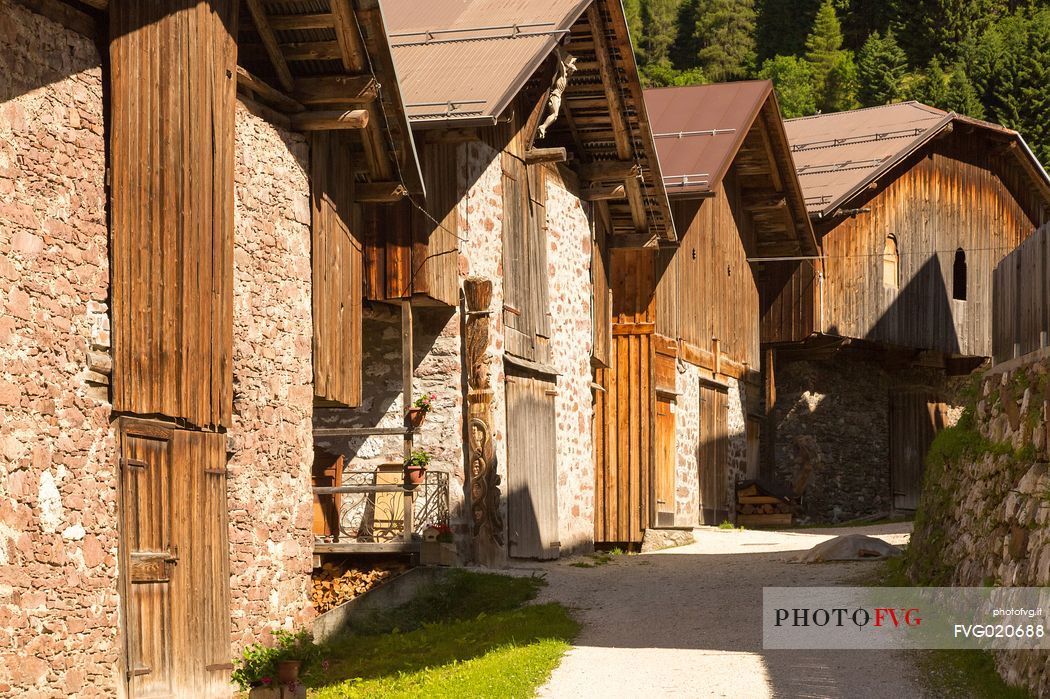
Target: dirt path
x,y
686,623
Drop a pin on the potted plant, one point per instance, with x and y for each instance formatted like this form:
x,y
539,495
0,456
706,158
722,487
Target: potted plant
x,y
416,467
418,412
262,669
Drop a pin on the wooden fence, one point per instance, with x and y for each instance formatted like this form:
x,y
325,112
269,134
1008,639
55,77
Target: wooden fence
x,y
1021,299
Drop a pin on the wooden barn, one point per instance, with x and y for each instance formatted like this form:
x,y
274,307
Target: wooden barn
x,y
913,208
538,168
678,406
178,184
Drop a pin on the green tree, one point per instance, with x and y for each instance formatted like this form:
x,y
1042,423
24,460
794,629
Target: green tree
x,y
793,79
881,66
962,95
666,75
944,28
633,10
931,86
725,34
1011,72
782,25
834,71
660,17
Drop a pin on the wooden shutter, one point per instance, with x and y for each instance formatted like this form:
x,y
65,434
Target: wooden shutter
x,y
173,105
532,468
174,561
525,276
338,282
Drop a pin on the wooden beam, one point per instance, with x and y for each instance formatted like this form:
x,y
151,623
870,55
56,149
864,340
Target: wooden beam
x,y
767,146
375,146
450,136
608,170
268,93
337,89
284,23
328,121
97,4
604,193
63,14
620,127
379,192
632,241
546,155
273,50
311,51
348,36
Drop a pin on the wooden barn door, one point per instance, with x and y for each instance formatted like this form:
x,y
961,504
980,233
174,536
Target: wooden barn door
x,y
175,562
915,416
532,469
664,480
714,454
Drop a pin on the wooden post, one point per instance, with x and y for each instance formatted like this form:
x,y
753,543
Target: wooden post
x,y
769,461
489,547
407,351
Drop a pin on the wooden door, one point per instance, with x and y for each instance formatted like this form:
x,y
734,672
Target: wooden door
x,y
532,469
664,480
915,416
714,454
174,561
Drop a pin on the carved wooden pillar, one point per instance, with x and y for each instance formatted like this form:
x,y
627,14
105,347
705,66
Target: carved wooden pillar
x,y
489,546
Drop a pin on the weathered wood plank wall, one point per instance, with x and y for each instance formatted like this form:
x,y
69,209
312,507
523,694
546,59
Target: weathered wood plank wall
x,y
1021,299
338,282
961,193
173,105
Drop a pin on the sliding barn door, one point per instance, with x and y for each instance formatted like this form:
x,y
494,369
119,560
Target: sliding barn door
x,y
175,562
714,455
532,468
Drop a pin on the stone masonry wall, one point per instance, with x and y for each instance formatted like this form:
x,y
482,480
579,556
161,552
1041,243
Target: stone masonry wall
x,y
843,405
569,258
270,502
687,446
58,495
984,516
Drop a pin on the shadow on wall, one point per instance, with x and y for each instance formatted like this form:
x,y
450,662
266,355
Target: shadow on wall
x,y
920,315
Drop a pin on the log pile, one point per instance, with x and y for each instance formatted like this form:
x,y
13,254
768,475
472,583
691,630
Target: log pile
x,y
758,507
334,584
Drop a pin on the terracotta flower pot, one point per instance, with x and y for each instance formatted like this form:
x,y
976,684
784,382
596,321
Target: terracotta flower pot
x,y
415,475
416,416
288,671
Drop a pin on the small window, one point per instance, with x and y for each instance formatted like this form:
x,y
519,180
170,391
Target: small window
x,y
959,276
891,264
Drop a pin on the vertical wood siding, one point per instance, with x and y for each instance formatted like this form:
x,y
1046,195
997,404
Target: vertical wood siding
x,y
532,469
1021,299
338,282
711,292
601,295
957,197
175,561
173,101
714,454
915,416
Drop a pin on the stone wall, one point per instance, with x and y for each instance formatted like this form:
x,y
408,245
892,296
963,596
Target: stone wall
x,y
58,496
842,404
569,240
984,517
687,446
270,502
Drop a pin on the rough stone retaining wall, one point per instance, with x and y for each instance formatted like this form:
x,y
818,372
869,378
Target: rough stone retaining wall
x,y
843,404
58,516
984,517
270,501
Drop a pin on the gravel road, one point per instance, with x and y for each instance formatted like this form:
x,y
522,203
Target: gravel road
x,y
685,622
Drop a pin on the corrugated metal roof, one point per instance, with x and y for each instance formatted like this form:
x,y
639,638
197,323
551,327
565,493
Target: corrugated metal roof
x,y
699,129
466,59
835,154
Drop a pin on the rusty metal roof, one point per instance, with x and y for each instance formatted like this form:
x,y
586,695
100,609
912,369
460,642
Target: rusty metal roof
x,y
837,154
464,60
699,129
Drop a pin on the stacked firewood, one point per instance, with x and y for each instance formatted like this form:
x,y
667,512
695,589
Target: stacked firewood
x,y
757,506
334,584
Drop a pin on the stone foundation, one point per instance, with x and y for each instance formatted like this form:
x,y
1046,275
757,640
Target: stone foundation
x,y
58,494
270,501
843,406
984,518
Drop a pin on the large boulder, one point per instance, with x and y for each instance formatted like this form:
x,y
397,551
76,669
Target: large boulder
x,y
851,547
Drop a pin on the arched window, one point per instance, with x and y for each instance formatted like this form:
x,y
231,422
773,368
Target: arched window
x,y
891,264
959,276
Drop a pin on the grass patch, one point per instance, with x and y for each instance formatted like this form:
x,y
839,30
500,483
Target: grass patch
x,y
598,558
473,635
726,524
965,673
